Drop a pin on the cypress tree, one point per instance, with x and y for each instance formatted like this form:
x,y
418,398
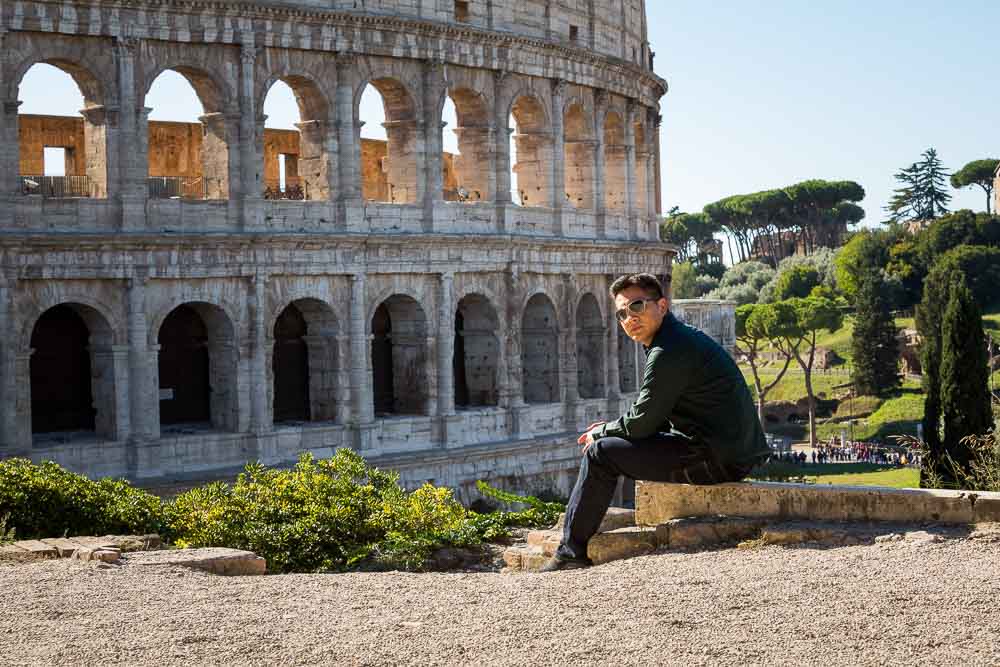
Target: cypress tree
x,y
874,345
965,400
929,314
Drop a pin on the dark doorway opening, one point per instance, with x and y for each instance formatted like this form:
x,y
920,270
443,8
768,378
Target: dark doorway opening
x,y
61,385
382,361
458,363
185,392
291,367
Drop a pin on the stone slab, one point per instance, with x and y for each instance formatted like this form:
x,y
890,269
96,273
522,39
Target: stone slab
x,y
658,503
621,543
228,562
37,549
696,532
64,545
614,518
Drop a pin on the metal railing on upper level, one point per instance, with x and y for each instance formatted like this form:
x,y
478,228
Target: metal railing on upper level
x,y
294,190
177,187
55,186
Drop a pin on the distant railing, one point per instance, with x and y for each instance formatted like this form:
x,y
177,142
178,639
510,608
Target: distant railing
x,y
177,187
294,190
55,186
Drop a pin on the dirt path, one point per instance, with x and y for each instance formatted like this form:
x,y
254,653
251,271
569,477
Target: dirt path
x,y
915,601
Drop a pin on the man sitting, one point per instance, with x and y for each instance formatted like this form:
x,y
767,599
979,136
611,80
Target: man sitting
x,y
693,422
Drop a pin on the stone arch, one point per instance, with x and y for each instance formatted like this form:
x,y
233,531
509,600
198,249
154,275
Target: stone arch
x,y
475,179
579,156
615,163
540,350
591,337
533,146
400,357
477,352
211,175
309,160
100,316
72,372
401,157
198,368
86,154
305,362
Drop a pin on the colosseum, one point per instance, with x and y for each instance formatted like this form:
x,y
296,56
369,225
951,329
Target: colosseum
x,y
170,311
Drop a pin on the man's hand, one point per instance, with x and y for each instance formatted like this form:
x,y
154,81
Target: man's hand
x,y
587,439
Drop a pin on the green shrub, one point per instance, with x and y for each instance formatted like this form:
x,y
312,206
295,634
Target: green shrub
x,y
46,500
537,513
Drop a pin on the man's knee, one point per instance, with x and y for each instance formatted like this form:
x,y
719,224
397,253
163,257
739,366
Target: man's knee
x,y
601,454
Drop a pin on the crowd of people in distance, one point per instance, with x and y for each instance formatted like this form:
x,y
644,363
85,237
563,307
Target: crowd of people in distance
x,y
834,451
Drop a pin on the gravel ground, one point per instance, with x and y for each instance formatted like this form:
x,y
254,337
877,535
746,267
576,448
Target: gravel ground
x,y
914,601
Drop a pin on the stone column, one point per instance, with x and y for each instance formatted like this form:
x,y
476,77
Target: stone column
x,y
114,397
558,155
348,129
519,426
630,212
600,205
568,362
658,199
434,88
10,155
9,443
501,149
344,408
260,414
613,369
144,391
22,401
362,400
100,160
446,345
317,159
651,179
250,166
220,155
133,170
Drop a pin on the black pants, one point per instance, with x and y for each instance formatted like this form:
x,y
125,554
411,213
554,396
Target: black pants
x,y
662,458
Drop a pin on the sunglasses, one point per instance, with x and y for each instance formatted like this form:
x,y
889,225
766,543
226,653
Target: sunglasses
x,y
637,307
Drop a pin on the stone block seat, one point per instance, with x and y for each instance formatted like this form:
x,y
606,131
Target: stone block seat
x,y
685,516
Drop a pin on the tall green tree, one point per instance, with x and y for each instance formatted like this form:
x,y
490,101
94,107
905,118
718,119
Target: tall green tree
x,y
977,172
965,398
922,195
801,321
873,342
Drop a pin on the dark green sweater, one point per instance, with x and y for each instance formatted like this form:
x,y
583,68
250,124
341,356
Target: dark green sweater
x,y
692,384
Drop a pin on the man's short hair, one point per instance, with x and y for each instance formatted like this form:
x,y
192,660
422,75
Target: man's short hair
x,y
647,281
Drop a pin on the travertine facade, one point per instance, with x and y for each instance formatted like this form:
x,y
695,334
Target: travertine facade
x,y
162,337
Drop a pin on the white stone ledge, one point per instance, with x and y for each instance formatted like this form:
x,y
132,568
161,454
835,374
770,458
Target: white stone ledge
x,y
657,503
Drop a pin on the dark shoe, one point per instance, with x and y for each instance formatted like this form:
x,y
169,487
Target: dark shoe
x,y
556,564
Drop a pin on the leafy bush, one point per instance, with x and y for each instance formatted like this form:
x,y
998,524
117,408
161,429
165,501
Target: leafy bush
x,y
742,282
800,273
332,514
48,501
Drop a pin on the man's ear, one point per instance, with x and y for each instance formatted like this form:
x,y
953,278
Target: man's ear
x,y
664,304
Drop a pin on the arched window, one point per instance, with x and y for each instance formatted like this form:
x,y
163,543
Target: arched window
x,y
399,357
591,339
531,179
540,351
477,353
389,153
615,164
296,160
62,133
291,367
468,160
198,369
305,363
579,158
189,137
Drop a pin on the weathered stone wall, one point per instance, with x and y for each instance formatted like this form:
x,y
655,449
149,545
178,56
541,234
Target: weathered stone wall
x,y
37,132
482,328
714,317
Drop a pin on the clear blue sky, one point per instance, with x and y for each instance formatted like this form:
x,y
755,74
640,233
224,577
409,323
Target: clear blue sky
x,y
766,94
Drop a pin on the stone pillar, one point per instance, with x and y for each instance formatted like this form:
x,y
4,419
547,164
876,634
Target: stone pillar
x,y
519,426
144,391
613,372
433,91
220,155
431,357
558,155
651,179
501,151
475,166
250,166
10,155
133,140
22,401
344,407
446,345
317,159
349,134
568,363
260,415
630,212
9,443
362,400
113,399
600,205
101,160
658,198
